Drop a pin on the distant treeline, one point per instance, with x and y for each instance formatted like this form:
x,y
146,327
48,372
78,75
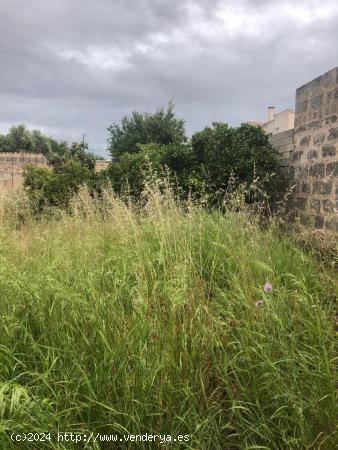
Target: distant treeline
x,y
20,139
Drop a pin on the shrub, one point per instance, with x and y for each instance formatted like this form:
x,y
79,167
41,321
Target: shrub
x,y
47,188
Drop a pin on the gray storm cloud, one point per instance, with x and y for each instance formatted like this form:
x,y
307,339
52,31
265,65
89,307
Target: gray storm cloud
x,y
76,66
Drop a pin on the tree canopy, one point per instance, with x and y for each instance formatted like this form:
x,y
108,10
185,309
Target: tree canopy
x,y
78,151
244,152
20,139
161,127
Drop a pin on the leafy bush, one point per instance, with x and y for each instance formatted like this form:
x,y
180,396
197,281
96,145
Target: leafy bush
x,y
203,167
131,171
47,188
245,152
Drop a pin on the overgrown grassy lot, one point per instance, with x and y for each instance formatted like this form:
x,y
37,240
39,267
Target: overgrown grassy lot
x,y
120,322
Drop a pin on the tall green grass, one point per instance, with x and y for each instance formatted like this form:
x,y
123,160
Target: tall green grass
x,y
122,321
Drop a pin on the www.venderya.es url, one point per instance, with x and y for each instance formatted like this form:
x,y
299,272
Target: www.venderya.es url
x,y
70,436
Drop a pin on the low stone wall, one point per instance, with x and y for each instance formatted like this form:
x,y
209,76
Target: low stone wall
x,y
12,166
17,162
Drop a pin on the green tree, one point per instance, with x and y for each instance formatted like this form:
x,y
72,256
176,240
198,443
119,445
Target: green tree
x,y
161,127
20,139
244,152
58,147
4,144
77,152
132,170
41,144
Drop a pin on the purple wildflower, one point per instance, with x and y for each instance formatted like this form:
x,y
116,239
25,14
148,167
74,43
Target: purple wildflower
x,y
267,287
259,303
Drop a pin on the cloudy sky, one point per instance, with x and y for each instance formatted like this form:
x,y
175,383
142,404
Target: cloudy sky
x,y
73,66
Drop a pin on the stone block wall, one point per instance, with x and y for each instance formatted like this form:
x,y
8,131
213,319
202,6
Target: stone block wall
x,y
12,166
314,162
310,162
284,143
16,162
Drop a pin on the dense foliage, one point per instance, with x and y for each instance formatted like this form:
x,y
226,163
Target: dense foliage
x,y
147,145
131,171
202,166
245,152
78,151
54,188
162,127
